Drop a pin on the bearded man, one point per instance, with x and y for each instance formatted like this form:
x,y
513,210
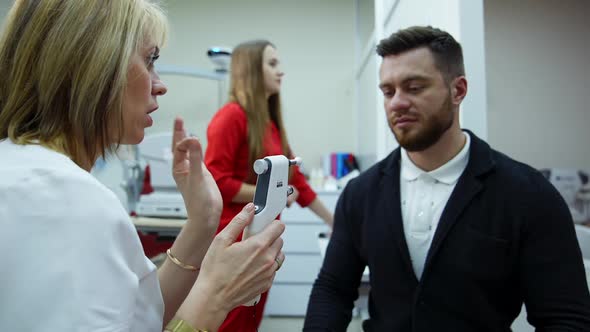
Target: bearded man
x,y
456,235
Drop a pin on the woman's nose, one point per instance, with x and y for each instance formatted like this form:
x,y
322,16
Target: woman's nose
x,y
158,87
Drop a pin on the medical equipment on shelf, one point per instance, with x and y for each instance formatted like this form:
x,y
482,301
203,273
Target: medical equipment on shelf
x,y
221,57
574,186
165,200
270,196
133,176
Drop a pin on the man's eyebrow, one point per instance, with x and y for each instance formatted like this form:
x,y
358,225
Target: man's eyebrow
x,y
406,80
415,78
384,85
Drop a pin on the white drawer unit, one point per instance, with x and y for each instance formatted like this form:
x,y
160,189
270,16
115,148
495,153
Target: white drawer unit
x,y
298,215
299,269
292,285
302,238
287,299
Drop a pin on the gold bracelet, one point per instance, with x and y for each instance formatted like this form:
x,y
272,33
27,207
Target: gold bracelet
x,y
179,325
179,263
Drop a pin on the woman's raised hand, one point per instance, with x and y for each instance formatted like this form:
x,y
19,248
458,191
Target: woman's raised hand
x,y
196,184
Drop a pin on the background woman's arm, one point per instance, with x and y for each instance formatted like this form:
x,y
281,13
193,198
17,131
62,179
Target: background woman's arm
x,y
322,211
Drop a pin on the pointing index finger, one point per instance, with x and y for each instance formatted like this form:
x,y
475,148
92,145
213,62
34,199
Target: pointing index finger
x,y
178,134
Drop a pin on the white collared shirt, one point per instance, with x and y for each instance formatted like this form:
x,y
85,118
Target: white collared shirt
x,y
424,196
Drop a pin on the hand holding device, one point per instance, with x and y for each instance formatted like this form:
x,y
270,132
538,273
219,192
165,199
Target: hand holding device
x,y
270,196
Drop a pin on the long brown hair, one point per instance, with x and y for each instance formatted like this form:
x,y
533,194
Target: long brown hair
x,y
64,71
247,89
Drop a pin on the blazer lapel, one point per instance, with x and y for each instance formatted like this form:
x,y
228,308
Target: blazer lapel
x,y
469,184
464,191
390,201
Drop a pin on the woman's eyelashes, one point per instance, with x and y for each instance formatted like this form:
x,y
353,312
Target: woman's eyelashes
x,y
151,59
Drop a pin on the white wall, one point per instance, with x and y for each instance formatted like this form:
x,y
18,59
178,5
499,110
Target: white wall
x,y
538,63
441,14
471,36
365,11
315,40
368,114
365,84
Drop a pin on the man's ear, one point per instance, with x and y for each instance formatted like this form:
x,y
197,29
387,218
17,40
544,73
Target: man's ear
x,y
458,89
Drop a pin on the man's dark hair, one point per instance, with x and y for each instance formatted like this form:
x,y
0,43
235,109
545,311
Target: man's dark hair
x,y
447,53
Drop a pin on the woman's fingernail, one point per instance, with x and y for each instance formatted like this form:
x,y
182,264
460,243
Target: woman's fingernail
x,y
249,207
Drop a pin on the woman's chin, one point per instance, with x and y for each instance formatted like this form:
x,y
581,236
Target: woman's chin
x,y
133,139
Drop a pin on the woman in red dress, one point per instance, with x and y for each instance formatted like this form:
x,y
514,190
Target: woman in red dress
x,y
248,127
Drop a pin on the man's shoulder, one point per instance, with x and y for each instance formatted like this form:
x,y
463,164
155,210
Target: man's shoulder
x,y
520,182
497,166
371,177
515,172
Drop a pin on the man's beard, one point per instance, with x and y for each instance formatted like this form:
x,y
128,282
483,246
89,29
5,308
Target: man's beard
x,y
433,128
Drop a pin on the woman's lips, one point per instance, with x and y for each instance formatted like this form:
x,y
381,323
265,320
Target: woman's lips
x,y
149,120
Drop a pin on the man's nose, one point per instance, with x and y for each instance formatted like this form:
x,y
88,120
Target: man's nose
x,y
398,103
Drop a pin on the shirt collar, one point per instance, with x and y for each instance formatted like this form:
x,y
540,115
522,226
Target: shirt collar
x,y
448,173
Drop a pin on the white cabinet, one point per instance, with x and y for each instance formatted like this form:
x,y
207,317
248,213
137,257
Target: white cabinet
x,y
292,285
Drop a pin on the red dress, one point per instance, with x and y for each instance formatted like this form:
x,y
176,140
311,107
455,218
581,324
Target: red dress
x,y
226,158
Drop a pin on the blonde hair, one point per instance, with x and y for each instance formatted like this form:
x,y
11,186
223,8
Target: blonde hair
x,y
247,89
64,67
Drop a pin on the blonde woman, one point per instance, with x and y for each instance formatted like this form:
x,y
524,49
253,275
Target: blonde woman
x,y
78,80
248,127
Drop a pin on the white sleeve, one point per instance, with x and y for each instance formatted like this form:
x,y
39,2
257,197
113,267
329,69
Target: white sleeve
x,y
75,262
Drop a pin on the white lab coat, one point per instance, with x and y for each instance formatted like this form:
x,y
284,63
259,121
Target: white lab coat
x,y
70,258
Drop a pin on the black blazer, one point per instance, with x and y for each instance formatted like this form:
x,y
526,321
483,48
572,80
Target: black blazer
x,y
505,236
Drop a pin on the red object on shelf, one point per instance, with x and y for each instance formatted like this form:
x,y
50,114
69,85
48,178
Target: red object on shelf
x,y
147,182
153,245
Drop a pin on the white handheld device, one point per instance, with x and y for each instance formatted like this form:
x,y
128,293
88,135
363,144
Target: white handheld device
x,y
270,196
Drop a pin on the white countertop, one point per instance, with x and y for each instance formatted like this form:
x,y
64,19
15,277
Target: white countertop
x,y
162,226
